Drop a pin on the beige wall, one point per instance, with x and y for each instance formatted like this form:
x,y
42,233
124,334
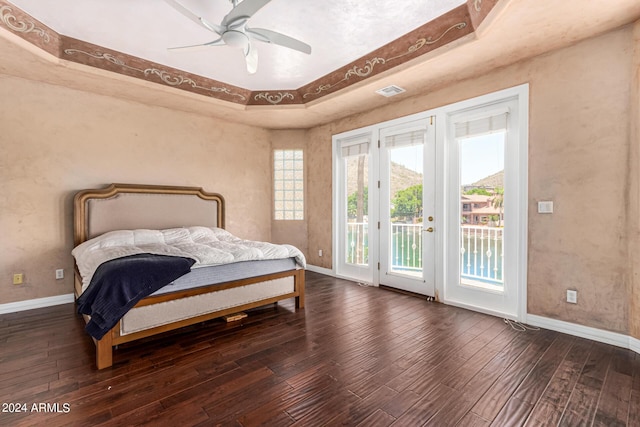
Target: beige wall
x,y
290,232
583,117
634,190
578,150
55,141
320,184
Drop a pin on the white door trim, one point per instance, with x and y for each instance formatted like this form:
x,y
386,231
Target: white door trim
x,y
521,93
518,206
425,284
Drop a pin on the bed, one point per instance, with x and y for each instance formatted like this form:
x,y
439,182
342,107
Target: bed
x,y
143,212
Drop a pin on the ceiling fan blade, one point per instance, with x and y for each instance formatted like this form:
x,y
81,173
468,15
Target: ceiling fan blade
x,y
243,11
192,16
195,47
274,37
251,56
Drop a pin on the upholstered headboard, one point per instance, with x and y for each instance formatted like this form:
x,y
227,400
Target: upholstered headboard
x,y
130,206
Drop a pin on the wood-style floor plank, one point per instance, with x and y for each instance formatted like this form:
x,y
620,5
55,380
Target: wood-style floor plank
x,y
550,407
583,402
356,356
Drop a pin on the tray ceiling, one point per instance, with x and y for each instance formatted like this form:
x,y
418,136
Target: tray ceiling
x,y
351,41
438,54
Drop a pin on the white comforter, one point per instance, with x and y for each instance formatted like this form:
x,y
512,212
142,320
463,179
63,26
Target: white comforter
x,y
208,246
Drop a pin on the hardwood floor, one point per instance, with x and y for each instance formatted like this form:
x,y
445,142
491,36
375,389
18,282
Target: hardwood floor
x,y
354,356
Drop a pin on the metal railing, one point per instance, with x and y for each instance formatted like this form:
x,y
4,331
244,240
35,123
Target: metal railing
x,y
406,247
482,254
481,250
358,243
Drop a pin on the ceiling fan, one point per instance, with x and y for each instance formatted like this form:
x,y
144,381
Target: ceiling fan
x,y
234,32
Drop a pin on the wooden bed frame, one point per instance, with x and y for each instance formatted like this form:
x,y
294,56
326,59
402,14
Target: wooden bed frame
x,y
126,208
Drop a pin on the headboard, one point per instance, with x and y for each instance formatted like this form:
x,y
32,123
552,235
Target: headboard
x,y
131,206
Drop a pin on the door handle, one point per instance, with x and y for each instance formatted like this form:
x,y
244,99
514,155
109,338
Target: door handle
x,y
430,229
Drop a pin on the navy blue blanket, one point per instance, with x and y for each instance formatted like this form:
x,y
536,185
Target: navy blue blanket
x,y
119,284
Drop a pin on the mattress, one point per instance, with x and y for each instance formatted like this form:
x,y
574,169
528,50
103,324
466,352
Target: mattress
x,y
207,246
215,274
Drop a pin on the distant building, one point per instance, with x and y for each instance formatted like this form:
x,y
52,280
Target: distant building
x,y
477,209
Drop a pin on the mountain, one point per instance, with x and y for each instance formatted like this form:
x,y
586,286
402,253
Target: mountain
x,y
491,181
403,177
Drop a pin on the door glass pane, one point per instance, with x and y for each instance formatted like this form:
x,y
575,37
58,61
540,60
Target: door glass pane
x,y
405,207
357,238
482,211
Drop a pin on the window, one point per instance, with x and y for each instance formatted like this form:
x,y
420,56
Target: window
x,y
352,214
356,166
288,184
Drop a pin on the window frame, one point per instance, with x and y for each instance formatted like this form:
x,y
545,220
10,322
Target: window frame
x,y
288,191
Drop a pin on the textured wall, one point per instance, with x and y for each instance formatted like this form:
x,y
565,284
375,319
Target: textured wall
x,y
320,191
578,148
291,232
634,190
55,141
579,140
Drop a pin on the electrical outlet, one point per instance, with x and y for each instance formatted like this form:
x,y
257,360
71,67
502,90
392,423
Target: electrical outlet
x,y
18,278
320,252
59,274
572,296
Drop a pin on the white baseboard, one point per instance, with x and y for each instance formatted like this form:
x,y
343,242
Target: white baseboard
x,y
320,270
595,334
328,272
30,304
600,335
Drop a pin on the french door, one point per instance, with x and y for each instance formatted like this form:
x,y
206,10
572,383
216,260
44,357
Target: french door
x,y
486,206
436,203
407,206
356,249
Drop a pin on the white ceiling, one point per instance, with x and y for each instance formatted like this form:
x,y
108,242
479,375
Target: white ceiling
x,y
339,31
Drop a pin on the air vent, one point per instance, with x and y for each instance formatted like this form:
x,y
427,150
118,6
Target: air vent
x,y
390,90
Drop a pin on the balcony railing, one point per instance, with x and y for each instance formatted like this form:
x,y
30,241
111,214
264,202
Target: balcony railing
x,y
358,243
406,248
481,250
482,254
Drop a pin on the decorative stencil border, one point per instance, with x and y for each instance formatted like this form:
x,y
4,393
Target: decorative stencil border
x,y
443,30
369,67
274,98
171,78
27,28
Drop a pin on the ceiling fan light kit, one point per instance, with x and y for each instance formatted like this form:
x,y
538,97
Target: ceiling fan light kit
x,y
234,32
235,39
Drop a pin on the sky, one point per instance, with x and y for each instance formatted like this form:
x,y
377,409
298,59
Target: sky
x,y
480,157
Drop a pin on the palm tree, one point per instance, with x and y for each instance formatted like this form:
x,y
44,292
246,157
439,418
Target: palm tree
x,y
498,202
360,204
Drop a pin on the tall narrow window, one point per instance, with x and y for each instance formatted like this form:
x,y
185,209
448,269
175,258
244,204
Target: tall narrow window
x,y
405,156
355,155
288,184
482,154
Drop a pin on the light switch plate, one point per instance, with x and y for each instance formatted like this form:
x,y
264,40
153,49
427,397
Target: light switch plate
x,y
545,207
